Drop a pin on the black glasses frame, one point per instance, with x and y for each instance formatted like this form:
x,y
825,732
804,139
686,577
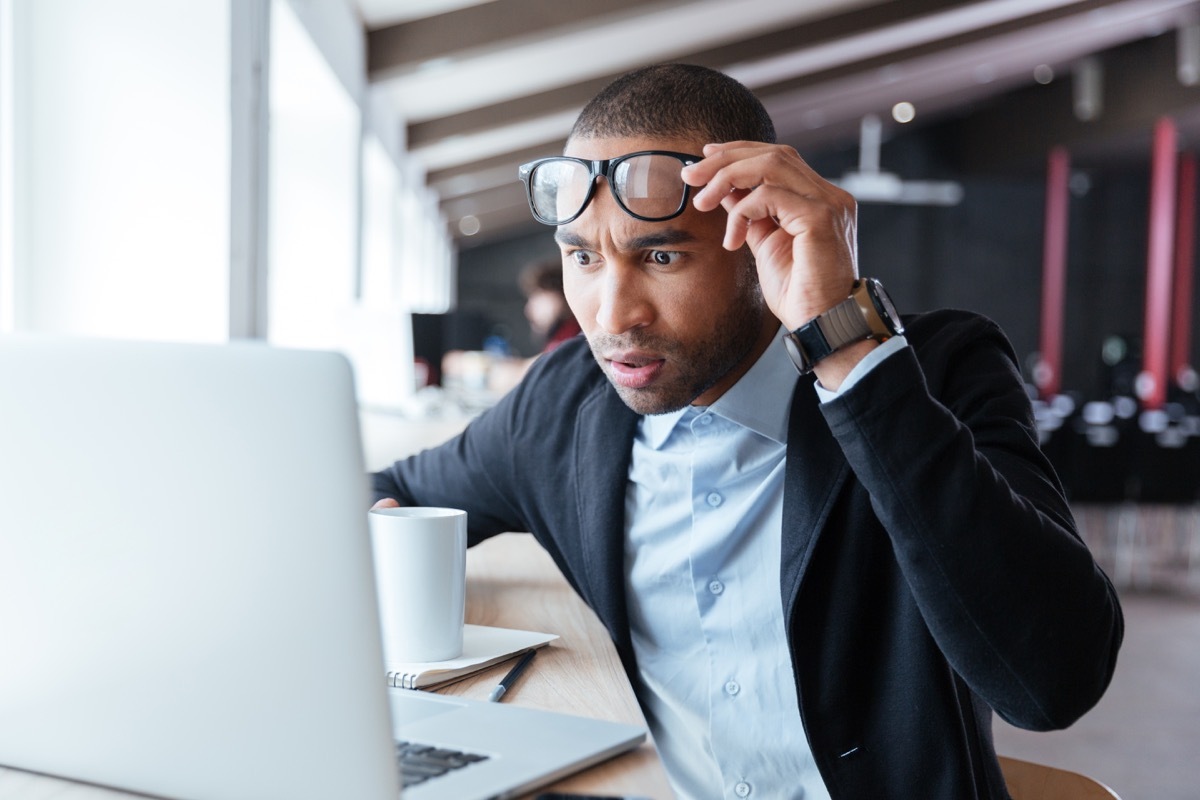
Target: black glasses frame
x,y
603,167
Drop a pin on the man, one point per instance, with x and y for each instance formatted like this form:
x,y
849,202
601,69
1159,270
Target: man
x,y
550,318
818,588
550,321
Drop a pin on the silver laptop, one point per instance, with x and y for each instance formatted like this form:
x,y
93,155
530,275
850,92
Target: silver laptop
x,y
187,602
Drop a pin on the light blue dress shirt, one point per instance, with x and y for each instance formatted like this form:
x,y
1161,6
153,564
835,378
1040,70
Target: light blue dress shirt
x,y
704,510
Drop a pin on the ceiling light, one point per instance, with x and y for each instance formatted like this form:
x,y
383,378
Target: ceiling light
x,y
1088,89
1187,55
469,225
904,111
871,184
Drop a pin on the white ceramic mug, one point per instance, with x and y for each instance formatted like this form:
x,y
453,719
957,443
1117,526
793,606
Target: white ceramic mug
x,y
421,575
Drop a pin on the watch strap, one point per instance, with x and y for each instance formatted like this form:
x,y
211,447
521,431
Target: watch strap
x,y
830,331
843,324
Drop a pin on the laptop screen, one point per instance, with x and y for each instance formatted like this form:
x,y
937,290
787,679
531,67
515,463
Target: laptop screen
x,y
187,602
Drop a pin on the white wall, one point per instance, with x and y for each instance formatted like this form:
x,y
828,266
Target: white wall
x,y
193,170
121,180
7,252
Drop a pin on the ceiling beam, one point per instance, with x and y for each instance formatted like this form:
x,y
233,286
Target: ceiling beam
x,y
1140,85
820,57
579,53
501,224
969,69
816,74
462,178
402,48
788,38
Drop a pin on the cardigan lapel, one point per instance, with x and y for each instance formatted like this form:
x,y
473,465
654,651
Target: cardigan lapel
x,y
816,469
603,446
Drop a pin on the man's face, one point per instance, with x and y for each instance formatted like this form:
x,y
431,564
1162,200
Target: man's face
x,y
671,316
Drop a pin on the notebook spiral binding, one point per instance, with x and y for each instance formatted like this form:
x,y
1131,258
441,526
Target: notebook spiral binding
x,y
402,680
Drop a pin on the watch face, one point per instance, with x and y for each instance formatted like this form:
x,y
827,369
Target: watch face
x,y
884,305
803,366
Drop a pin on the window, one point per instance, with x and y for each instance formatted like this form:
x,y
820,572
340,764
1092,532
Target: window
x,y
312,191
115,167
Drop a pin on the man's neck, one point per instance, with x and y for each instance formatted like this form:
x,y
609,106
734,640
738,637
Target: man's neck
x,y
770,326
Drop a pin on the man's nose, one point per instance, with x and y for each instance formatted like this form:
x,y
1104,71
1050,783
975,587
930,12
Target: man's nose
x,y
624,301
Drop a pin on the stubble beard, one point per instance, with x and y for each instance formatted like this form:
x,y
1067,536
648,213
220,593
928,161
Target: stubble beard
x,y
696,366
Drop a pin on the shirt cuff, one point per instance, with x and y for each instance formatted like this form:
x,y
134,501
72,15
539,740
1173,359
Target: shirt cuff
x,y
868,363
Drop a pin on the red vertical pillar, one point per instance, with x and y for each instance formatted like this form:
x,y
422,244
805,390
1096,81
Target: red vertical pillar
x,y
1054,272
1185,251
1152,383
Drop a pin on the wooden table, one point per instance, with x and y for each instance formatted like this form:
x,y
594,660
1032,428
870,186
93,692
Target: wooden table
x,y
511,583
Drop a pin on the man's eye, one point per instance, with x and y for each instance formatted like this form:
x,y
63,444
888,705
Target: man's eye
x,y
663,258
582,257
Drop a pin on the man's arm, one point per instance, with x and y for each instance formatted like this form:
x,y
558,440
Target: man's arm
x,y
946,448
512,469
978,523
470,471
802,229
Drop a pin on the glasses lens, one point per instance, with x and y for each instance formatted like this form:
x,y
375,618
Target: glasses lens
x,y
558,189
650,185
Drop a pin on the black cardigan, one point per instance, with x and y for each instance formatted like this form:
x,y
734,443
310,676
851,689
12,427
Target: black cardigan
x,y
931,572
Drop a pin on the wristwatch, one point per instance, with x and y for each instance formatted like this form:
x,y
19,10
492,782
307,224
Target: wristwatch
x,y
867,313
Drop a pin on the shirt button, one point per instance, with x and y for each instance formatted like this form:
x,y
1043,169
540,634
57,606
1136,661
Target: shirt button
x,y
714,499
732,688
742,789
706,419
716,587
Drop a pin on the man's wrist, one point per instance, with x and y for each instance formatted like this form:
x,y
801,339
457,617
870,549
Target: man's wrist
x,y
864,366
834,368
817,303
867,314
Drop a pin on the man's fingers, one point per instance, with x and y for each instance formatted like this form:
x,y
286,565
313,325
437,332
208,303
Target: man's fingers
x,y
758,213
735,228
386,502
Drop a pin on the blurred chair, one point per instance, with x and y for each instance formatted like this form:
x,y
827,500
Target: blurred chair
x,y
1029,781
1132,476
1053,421
1098,456
1100,453
1162,546
1166,459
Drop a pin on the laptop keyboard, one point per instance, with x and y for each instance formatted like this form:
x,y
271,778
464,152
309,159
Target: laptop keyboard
x,y
420,762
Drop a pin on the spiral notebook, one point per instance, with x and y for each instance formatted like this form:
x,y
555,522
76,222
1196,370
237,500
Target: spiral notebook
x,y
483,646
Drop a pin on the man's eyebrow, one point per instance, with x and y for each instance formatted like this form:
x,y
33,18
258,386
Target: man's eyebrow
x,y
663,238
567,238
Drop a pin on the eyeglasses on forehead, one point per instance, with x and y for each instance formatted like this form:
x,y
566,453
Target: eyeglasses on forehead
x,y
646,185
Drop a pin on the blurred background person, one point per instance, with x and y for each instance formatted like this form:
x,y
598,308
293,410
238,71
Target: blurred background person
x,y
546,308
550,321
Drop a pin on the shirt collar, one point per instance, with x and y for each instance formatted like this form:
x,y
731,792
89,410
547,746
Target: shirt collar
x,y
761,400
655,428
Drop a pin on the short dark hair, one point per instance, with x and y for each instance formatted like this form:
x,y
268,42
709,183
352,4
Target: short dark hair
x,y
676,100
542,276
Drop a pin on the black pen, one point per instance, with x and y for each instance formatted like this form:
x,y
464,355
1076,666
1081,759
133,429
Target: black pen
x,y
511,677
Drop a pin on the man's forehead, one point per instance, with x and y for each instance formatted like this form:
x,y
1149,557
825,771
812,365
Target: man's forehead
x,y
601,147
